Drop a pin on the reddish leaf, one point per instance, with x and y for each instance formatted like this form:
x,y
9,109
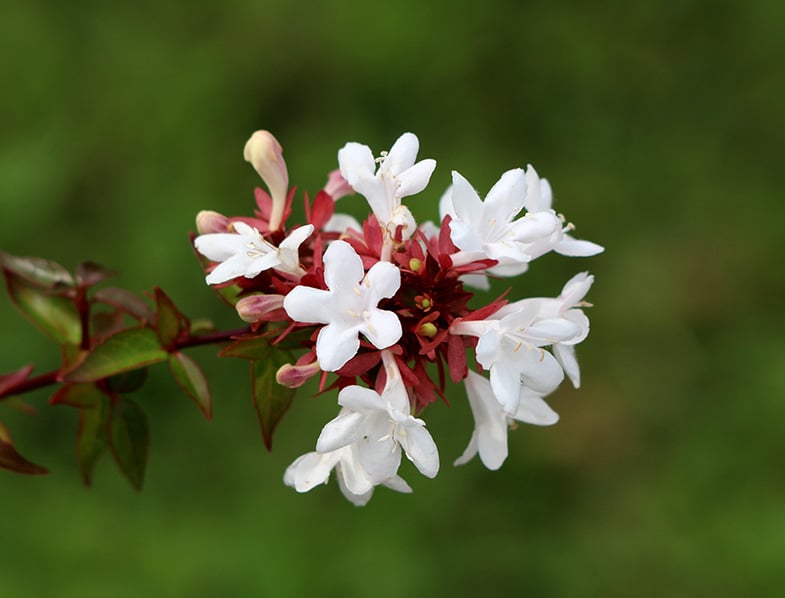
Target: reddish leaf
x,y
170,322
125,300
37,270
129,440
90,273
127,350
9,381
190,378
92,439
11,459
250,347
270,398
77,395
55,315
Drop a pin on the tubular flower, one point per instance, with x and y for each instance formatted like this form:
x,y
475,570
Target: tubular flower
x,y
378,310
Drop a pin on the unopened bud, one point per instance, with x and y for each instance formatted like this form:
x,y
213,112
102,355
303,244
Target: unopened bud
x,y
261,308
208,222
294,376
265,153
336,186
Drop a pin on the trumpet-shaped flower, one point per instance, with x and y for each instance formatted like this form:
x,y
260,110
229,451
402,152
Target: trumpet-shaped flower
x,y
348,307
397,176
246,253
264,152
491,421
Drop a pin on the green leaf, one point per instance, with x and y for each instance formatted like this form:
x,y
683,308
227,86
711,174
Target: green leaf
x,y
270,398
127,382
202,326
92,439
190,378
37,270
77,395
250,347
90,273
129,440
55,315
11,459
134,306
127,350
170,322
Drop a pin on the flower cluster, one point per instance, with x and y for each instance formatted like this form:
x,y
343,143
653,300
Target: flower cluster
x,y
383,306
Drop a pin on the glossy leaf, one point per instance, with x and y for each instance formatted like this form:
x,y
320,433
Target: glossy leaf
x,y
191,379
125,300
270,398
77,395
127,350
11,459
90,273
129,440
37,270
55,315
9,381
169,321
92,438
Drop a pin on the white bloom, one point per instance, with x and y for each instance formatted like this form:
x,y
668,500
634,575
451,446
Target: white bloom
x,y
378,426
491,422
510,346
246,253
396,177
264,152
349,307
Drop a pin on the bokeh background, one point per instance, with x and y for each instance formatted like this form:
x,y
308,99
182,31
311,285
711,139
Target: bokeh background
x,y
660,126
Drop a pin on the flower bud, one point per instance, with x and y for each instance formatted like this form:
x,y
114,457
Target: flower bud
x,y
208,222
256,308
266,155
336,186
294,376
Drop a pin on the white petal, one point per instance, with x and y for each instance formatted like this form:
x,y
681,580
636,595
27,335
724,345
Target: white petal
x,y
379,454
470,451
382,281
577,248
340,223
506,384
490,422
342,266
445,204
351,474
465,200
505,199
296,237
358,500
402,154
533,410
360,398
565,355
306,304
356,160
413,180
540,371
553,330
398,484
535,226
234,267
576,288
340,431
382,328
420,448
534,198
219,246
309,470
335,345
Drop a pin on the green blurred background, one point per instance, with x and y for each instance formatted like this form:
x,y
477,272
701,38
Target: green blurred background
x,y
660,126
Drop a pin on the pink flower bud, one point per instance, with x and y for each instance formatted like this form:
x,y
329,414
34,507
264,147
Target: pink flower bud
x,y
208,222
261,308
266,155
293,376
336,186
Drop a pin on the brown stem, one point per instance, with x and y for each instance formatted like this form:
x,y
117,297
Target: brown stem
x,y
49,378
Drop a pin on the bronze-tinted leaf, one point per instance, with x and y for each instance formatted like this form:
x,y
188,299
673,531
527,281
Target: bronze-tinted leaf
x,y
92,438
129,440
77,395
191,379
90,273
36,270
9,381
12,460
170,322
271,400
127,301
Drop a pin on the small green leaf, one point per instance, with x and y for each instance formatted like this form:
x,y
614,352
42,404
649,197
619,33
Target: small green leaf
x,y
127,350
37,270
170,322
77,395
12,460
270,398
129,440
55,315
92,439
250,347
134,306
127,382
190,378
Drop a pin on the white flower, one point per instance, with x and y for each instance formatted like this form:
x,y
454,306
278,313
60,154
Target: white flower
x,y
396,177
264,152
566,305
378,426
491,422
246,253
314,468
349,307
510,346
489,229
